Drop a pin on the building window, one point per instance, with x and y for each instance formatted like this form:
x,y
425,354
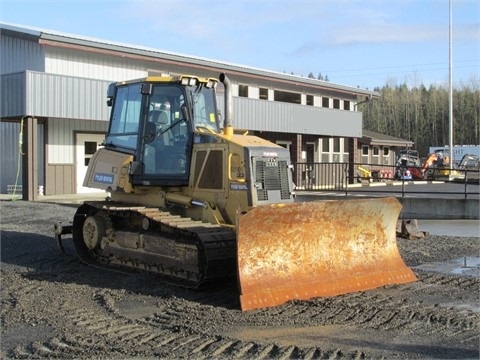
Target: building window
x,y
376,153
326,145
310,100
263,94
288,97
336,103
386,155
365,154
346,105
90,149
336,150
243,90
336,145
325,102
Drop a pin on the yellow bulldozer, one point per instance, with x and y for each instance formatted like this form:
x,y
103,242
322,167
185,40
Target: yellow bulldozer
x,y
199,203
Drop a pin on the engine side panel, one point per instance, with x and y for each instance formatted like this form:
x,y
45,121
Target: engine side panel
x,y
108,170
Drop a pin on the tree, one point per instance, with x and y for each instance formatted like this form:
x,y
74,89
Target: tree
x,y
421,115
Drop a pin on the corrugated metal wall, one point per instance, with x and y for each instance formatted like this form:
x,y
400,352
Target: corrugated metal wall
x,y
61,138
78,98
26,55
9,155
272,116
93,65
60,96
13,100
51,95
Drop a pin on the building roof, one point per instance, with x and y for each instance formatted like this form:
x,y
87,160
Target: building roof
x,y
56,38
374,138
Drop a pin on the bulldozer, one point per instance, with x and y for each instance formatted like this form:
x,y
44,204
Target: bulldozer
x,y
200,203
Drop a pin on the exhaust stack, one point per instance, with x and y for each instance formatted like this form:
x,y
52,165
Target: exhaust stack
x,y
227,124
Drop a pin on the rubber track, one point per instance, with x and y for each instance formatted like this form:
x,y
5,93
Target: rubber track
x,y
217,243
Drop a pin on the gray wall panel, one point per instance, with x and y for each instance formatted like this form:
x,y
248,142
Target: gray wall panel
x,y
52,95
13,102
263,115
10,159
9,155
20,54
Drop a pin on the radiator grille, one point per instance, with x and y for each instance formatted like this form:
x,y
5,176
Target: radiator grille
x,y
271,176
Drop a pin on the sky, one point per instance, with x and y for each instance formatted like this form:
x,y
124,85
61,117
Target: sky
x,y
365,43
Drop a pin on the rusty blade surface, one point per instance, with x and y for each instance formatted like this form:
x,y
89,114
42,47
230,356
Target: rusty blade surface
x,y
321,248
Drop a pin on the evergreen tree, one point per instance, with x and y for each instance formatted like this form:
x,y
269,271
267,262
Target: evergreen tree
x,y
422,115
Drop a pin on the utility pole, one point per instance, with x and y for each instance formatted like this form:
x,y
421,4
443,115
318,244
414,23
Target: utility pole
x,y
450,96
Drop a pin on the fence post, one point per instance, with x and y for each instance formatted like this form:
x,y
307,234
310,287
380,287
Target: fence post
x,y
346,182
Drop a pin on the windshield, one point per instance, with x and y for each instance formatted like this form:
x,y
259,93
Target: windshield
x,y
204,108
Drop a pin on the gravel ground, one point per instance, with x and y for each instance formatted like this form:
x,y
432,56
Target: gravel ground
x,y
53,306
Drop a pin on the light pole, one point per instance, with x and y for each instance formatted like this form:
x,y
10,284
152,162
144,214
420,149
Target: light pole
x,y
450,95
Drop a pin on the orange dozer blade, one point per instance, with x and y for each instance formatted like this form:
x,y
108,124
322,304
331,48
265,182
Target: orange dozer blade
x,y
314,249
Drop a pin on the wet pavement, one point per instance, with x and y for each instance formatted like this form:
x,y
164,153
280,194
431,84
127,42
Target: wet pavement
x,y
465,266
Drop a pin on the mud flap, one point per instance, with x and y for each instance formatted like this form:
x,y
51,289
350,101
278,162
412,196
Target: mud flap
x,y
315,249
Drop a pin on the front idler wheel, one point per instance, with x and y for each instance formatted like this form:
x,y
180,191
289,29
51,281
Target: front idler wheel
x,y
94,229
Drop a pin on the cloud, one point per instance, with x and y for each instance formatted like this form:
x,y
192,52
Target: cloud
x,y
391,33
401,33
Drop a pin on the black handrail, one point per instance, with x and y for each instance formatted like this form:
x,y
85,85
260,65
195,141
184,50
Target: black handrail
x,y
360,177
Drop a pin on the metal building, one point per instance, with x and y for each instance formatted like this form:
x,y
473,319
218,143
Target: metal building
x,y
54,115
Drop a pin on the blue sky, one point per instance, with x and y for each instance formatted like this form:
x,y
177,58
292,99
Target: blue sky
x,y
358,43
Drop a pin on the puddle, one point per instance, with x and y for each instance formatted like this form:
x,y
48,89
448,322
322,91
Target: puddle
x,y
465,266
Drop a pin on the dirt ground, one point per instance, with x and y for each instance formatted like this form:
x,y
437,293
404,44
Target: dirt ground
x,y
53,306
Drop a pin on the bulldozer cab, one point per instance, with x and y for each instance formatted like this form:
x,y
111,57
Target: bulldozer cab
x,y
154,120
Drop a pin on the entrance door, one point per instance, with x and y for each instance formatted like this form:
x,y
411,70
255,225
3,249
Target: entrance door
x,y
86,145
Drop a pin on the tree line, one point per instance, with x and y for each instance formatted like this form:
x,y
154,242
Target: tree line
x,y
421,115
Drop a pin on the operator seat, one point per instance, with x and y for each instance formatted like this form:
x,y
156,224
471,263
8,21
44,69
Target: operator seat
x,y
160,118
149,155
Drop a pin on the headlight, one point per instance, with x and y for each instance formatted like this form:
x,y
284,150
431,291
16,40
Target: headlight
x,y
189,81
